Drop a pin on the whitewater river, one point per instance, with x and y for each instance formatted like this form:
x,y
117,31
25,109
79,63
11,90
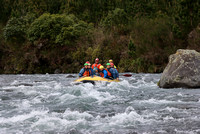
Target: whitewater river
x,y
41,104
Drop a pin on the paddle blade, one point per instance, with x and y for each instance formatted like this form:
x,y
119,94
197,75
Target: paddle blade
x,y
127,75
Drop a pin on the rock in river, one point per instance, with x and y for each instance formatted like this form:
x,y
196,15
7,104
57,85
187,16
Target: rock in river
x,y
183,70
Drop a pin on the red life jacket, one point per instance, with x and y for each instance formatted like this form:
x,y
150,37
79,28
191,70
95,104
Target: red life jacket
x,y
109,74
87,73
96,65
101,74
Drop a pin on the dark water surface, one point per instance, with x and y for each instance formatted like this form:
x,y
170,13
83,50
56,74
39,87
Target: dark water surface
x,y
53,104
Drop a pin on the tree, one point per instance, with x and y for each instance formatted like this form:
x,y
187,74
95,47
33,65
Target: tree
x,y
58,29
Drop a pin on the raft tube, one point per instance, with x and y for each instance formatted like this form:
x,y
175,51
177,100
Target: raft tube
x,y
94,79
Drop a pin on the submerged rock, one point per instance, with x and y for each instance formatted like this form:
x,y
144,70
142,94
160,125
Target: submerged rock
x,y
183,70
70,76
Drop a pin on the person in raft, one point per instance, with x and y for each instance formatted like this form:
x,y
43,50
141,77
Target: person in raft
x,y
111,72
111,61
96,66
116,71
89,65
86,71
103,72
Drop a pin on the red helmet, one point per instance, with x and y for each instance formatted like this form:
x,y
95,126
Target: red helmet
x,y
87,62
97,59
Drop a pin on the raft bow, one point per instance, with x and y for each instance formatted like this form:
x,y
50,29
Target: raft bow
x,y
94,79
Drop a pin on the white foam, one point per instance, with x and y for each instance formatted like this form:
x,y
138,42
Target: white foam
x,y
129,109
25,104
44,86
171,109
88,90
155,101
12,87
141,83
162,132
14,82
121,83
49,123
30,92
36,100
66,97
66,121
180,94
58,86
195,118
185,132
100,96
20,118
151,116
55,94
129,118
75,115
168,118
126,118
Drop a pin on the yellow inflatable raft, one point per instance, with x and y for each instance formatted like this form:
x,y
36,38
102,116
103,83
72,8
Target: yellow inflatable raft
x,y
94,79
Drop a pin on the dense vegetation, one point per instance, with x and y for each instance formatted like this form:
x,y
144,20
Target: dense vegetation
x,y
41,36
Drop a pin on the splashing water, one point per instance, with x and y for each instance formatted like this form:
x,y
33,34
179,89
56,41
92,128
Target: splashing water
x,y
51,104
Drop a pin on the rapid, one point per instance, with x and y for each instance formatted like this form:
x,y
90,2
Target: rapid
x,y
53,103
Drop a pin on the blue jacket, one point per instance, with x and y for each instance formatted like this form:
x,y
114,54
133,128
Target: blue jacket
x,y
116,73
92,72
83,70
113,72
105,73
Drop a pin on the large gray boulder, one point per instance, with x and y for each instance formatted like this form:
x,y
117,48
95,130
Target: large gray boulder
x,y
183,70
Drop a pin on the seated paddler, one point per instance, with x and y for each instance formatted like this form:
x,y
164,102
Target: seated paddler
x,y
86,71
96,67
116,71
103,72
111,61
111,72
89,68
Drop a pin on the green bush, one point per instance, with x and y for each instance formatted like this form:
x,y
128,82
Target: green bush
x,y
152,36
58,29
136,65
194,39
117,18
71,33
132,49
15,29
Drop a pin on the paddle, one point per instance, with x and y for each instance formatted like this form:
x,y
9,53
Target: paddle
x,y
127,75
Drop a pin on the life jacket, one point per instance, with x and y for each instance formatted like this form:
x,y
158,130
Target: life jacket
x,y
96,65
109,73
101,74
87,72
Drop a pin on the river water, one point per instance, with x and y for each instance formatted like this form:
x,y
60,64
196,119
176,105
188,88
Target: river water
x,y
54,104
